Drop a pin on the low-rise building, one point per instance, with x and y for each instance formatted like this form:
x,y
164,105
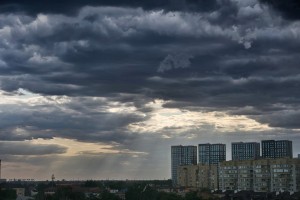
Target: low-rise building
x,y
198,176
208,176
264,175
245,175
285,175
187,176
228,175
20,191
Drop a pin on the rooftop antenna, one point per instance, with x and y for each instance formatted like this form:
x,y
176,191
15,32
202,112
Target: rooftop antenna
x,y
52,178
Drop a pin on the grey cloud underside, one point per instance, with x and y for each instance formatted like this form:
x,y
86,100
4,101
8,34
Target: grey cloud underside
x,y
290,9
17,148
72,6
81,119
246,64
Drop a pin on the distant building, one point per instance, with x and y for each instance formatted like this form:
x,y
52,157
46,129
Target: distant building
x,y
211,153
182,155
277,149
187,176
2,180
20,192
198,176
245,151
263,175
299,156
208,176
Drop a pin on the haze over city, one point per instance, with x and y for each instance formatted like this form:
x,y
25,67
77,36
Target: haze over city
x,y
103,89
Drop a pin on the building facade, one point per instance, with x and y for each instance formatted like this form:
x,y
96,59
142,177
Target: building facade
x,y
182,155
228,175
211,153
285,174
263,175
187,176
245,150
198,176
277,149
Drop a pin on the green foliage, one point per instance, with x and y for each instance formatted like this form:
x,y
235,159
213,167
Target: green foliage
x,y
43,186
66,193
169,196
108,196
192,196
91,183
205,190
8,194
149,194
116,185
40,196
133,193
139,192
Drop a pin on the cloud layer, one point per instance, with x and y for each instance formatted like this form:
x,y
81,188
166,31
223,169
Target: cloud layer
x,y
71,7
289,9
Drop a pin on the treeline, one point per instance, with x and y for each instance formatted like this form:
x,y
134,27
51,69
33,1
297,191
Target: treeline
x,y
133,190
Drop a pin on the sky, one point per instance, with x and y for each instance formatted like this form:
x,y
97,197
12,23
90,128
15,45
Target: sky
x,y
102,89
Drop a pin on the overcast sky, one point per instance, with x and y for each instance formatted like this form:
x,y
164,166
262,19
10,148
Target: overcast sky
x,y
101,89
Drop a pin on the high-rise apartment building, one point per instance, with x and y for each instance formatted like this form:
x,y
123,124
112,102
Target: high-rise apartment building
x,y
182,155
211,153
277,149
245,150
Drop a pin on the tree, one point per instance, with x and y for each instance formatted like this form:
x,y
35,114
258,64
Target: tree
x,y
168,196
8,194
106,195
134,192
192,196
66,193
90,183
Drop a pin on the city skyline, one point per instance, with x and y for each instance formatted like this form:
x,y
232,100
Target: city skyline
x,y
101,89
253,150
272,169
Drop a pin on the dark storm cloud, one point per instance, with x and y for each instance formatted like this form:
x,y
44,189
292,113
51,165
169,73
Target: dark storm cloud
x,y
18,148
74,55
96,72
71,6
290,9
209,62
80,119
287,118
